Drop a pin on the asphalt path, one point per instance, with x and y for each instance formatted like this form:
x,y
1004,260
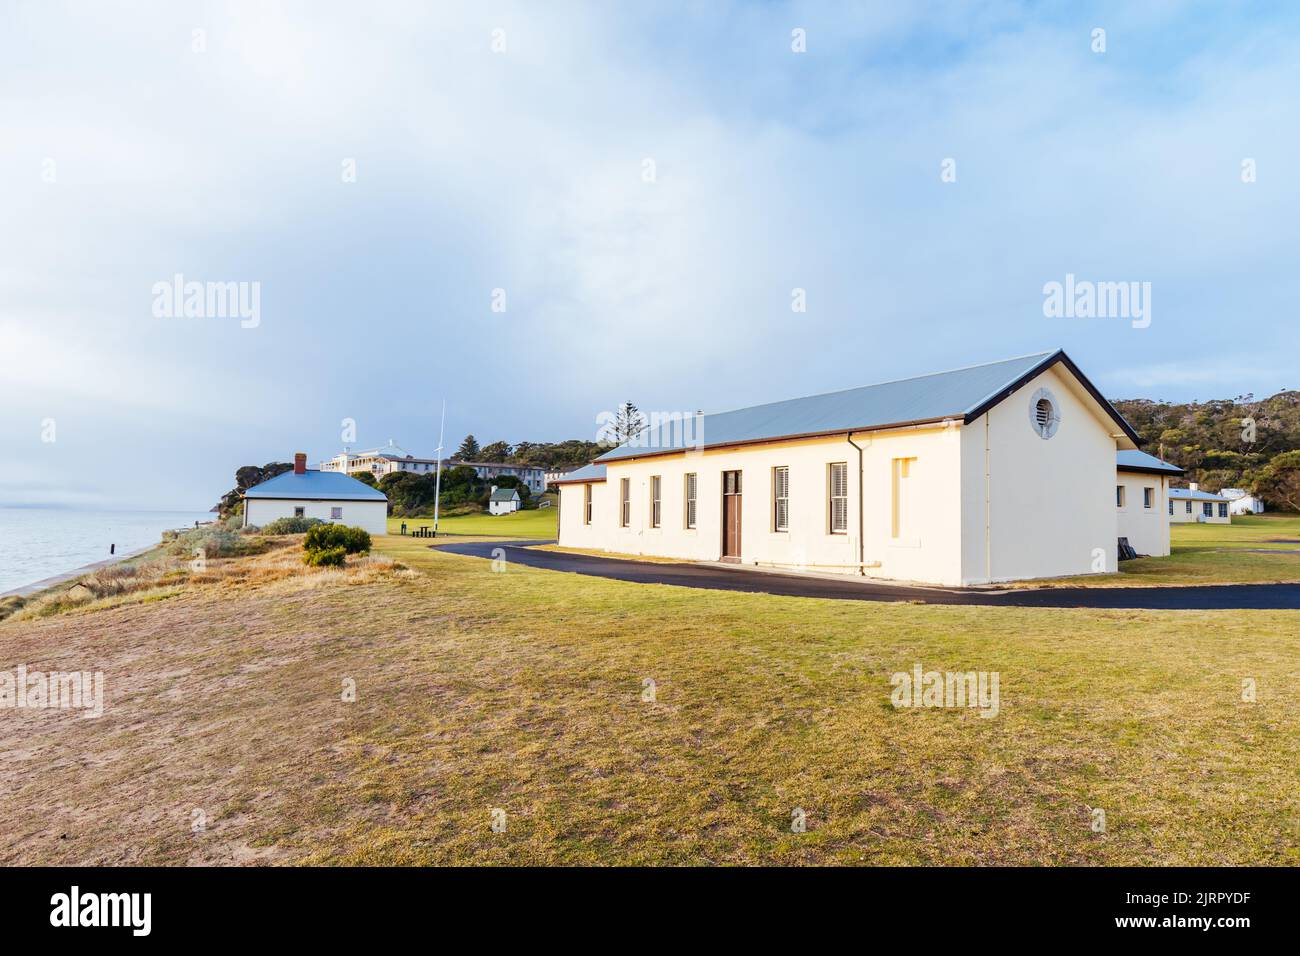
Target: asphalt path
x,y
720,577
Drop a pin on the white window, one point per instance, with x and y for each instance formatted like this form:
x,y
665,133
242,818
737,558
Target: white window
x,y
781,498
1119,496
299,512
336,513
586,504
690,500
838,489
1171,505
1223,510
1207,509
1148,497
1189,507
655,509
625,502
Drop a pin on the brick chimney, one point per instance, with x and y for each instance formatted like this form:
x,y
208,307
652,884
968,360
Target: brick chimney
x,y
300,463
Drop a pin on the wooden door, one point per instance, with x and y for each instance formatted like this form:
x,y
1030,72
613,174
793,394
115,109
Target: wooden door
x,y
731,516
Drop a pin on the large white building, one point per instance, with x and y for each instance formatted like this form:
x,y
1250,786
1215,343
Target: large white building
x,y
991,473
390,459
303,493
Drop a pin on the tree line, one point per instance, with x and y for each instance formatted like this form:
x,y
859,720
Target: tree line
x,y
1227,443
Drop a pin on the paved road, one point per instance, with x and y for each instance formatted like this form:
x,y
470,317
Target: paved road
x,y
722,578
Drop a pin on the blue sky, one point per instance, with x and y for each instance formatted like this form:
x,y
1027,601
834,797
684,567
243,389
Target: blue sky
x,y
523,170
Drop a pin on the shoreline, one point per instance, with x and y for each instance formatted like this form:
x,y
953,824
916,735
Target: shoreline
x,y
27,590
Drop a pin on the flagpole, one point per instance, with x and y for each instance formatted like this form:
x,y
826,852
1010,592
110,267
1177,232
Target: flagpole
x,y
437,482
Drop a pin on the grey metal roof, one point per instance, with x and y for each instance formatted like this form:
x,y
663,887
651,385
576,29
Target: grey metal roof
x,y
1184,494
1140,461
585,473
316,486
505,494
962,394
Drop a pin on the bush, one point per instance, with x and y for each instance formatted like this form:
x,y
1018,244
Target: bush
x,y
216,542
323,537
290,525
323,557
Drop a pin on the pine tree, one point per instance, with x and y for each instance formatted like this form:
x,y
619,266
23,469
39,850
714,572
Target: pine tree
x,y
628,422
468,450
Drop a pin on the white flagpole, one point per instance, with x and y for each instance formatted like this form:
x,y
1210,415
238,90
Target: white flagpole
x,y
437,482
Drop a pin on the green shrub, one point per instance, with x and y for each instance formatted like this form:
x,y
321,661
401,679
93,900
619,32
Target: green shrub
x,y
322,537
290,525
323,557
216,542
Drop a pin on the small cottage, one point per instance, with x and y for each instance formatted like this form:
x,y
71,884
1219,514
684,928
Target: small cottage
x,y
327,495
503,500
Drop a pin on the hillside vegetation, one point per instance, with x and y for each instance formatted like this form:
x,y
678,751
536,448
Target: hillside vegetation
x,y
1228,443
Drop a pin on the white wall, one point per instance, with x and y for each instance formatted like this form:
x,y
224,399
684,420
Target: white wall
x,y
1147,529
1182,516
926,550
1050,503
1249,505
371,515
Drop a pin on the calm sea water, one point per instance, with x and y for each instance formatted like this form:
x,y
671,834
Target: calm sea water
x,y
37,543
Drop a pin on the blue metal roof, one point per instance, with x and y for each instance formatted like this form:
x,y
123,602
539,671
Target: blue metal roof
x,y
962,395
1185,494
316,486
585,473
1141,461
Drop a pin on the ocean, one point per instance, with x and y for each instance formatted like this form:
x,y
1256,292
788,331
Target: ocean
x,y
37,543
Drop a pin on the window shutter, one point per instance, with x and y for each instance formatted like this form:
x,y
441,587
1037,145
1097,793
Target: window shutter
x,y
839,482
690,500
781,498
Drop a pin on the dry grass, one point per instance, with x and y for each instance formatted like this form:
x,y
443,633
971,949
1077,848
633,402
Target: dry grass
x,y
523,691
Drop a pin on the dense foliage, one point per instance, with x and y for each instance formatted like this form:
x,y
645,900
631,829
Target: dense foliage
x,y
245,478
213,541
325,557
324,537
1236,443
289,525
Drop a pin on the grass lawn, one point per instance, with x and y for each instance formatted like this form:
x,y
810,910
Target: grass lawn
x,y
1214,554
522,690
538,523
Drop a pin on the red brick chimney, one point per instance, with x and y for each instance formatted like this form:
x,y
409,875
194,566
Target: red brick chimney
x,y
300,463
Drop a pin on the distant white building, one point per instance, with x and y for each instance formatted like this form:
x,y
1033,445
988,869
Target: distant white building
x,y
558,474
391,459
1141,489
503,501
334,498
1193,504
1241,503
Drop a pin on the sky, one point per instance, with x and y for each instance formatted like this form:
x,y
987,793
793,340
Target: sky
x,y
539,211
